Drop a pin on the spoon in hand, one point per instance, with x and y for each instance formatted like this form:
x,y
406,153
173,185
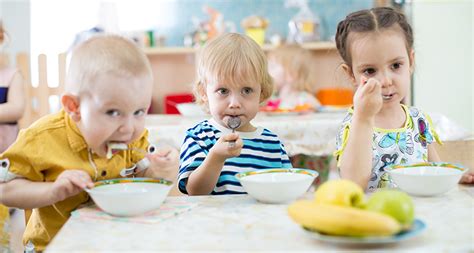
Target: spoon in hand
x,y
233,123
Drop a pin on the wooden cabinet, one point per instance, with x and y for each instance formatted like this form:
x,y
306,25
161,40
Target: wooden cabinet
x,y
174,69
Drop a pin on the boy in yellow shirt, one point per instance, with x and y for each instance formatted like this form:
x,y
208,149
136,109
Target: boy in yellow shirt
x,y
108,92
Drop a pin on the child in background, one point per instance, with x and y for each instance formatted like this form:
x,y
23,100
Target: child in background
x,y
12,105
232,82
12,99
377,48
108,91
289,66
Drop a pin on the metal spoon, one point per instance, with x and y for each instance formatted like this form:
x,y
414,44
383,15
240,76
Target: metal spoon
x,y
233,123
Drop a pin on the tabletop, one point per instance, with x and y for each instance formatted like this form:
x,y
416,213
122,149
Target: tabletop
x,y
240,223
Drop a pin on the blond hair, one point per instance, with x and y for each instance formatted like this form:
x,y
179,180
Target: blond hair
x,y
235,59
105,55
296,62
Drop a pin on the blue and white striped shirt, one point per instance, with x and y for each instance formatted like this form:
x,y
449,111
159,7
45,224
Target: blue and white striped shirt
x,y
262,150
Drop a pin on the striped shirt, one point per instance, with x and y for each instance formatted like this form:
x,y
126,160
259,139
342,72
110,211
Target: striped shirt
x,y
262,150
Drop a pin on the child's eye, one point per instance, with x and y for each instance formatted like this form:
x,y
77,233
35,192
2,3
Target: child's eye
x,y
369,71
139,112
113,113
222,91
396,65
247,91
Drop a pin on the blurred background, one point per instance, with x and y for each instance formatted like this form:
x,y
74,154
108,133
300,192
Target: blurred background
x,y
168,30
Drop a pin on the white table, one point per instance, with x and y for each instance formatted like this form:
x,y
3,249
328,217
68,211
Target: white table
x,y
240,223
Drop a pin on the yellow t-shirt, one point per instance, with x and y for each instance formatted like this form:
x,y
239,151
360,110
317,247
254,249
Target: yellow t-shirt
x,y
4,233
50,146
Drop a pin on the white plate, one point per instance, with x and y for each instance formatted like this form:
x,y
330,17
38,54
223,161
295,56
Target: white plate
x,y
418,227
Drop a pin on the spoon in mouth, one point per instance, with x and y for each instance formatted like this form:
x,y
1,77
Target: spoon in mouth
x,y
233,122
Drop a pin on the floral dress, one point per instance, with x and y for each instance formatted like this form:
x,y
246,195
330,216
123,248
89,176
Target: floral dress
x,y
408,144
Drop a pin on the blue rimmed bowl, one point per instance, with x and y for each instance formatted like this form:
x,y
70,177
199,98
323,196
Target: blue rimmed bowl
x,y
129,196
426,179
276,185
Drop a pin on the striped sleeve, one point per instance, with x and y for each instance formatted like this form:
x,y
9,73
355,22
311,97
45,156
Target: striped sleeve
x,y
285,160
191,156
277,147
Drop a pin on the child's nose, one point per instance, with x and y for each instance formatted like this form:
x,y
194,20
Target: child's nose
x,y
234,101
385,79
127,126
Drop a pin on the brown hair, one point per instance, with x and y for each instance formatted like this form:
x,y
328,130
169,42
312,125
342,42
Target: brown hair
x,y
234,58
2,32
374,19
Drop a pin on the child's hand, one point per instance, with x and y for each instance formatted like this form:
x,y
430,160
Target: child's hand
x,y
223,150
467,178
70,183
368,99
164,163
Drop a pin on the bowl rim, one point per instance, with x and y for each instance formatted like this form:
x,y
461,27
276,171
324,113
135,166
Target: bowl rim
x,y
446,165
113,181
308,172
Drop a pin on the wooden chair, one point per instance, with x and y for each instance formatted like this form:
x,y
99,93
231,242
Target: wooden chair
x,y
38,96
457,152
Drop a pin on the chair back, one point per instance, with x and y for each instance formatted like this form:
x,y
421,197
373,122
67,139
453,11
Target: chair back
x,y
42,97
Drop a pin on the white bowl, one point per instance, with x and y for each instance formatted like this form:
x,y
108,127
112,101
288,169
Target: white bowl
x,y
277,185
426,179
129,196
190,109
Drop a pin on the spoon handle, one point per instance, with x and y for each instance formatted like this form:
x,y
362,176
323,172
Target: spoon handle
x,y
232,143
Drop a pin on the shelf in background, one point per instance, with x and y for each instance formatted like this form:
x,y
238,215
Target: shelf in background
x,y
323,45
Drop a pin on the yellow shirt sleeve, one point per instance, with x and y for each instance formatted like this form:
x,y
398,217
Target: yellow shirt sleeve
x,y
20,154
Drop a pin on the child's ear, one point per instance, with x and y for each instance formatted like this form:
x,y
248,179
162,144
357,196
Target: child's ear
x,y
71,106
412,61
201,89
349,73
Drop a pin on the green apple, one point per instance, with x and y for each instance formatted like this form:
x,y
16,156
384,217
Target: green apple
x,y
394,203
340,192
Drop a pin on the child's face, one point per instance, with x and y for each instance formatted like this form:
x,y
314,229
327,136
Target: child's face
x,y
226,100
384,57
277,72
114,111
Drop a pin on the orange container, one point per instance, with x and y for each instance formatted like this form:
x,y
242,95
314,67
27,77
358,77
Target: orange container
x,y
335,96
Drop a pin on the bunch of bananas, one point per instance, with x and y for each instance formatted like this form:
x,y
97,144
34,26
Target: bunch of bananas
x,y
339,209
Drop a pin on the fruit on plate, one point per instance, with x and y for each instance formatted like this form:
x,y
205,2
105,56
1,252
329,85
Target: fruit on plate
x,y
340,192
394,203
342,220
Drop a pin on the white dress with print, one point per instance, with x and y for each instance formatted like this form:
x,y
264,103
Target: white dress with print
x,y
405,145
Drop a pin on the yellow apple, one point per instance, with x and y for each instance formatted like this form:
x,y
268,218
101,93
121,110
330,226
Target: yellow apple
x,y
340,192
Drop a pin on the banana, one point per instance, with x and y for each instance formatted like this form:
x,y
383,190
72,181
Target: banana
x,y
345,221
